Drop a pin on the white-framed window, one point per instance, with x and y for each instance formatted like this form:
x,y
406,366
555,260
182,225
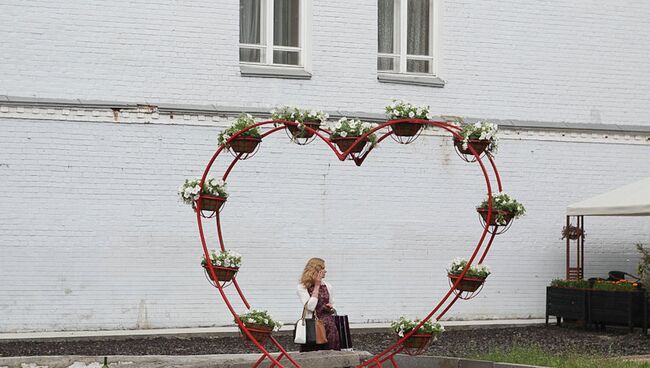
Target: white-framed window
x,y
407,37
273,32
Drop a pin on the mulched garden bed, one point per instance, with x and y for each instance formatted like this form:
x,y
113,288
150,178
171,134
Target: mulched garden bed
x,y
461,343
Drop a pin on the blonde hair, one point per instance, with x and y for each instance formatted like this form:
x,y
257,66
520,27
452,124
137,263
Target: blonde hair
x,y
312,268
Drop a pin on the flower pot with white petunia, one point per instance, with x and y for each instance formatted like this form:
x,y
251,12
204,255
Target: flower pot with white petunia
x,y
398,110
473,278
244,143
260,324
211,198
504,209
481,136
304,118
224,263
420,340
346,132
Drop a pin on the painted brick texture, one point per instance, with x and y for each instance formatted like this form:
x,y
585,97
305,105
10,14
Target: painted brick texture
x,y
93,236
551,61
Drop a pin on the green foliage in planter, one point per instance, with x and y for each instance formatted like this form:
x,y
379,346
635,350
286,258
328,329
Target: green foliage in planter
x,y
644,265
190,190
503,202
614,286
481,130
458,265
352,128
226,258
399,109
291,113
259,317
573,284
243,121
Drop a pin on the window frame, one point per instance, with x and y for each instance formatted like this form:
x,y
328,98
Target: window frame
x,y
266,36
400,37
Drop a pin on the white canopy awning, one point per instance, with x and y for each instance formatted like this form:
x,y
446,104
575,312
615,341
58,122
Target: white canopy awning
x,y
629,200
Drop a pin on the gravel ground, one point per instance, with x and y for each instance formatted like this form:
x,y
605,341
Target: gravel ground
x,y
452,343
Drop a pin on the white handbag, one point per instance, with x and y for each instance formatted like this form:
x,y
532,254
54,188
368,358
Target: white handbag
x,y
300,331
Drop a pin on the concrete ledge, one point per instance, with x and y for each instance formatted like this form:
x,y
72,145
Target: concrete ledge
x,y
234,331
316,359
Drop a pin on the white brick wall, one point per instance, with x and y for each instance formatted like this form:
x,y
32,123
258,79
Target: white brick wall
x,y
575,61
93,236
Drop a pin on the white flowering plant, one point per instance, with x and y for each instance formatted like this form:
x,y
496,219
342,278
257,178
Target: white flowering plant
x,y
190,190
502,202
243,121
352,128
291,113
259,317
457,266
404,325
482,131
399,109
230,259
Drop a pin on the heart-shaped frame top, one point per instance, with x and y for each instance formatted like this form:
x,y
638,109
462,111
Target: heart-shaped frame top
x,y
257,336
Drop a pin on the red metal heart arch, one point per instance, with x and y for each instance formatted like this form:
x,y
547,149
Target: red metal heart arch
x,y
438,311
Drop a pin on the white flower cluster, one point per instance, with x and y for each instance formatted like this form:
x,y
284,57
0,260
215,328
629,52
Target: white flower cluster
x,y
501,201
260,317
481,130
404,325
404,110
230,259
458,265
190,190
291,113
352,128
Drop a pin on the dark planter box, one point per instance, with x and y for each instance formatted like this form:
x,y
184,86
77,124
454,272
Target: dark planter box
x,y
627,308
566,303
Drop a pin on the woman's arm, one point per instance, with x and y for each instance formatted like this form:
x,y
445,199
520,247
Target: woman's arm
x,y
311,300
331,292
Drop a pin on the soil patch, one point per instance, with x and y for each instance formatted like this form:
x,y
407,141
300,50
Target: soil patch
x,y
460,343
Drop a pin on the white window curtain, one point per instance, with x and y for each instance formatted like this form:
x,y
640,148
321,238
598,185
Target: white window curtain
x,y
286,31
405,36
250,30
417,35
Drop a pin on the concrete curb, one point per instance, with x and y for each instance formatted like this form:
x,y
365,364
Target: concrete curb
x,y
316,359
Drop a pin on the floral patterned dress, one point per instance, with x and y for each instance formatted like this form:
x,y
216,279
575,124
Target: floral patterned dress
x,y
328,320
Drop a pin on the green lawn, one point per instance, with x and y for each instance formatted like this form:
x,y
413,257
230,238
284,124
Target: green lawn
x,y
536,356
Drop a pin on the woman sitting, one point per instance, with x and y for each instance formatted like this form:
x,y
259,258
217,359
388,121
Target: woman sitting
x,y
317,295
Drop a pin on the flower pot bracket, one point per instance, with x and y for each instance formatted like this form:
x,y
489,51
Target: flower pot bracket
x,y
258,336
495,227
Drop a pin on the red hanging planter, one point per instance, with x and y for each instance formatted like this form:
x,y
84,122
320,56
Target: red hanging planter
x,y
406,129
261,333
469,284
244,145
296,132
223,274
210,205
344,143
417,344
479,145
506,216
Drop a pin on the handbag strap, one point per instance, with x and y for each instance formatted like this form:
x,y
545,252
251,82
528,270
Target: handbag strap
x,y
304,312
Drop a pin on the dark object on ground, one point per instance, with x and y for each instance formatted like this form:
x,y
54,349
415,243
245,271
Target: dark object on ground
x,y
460,343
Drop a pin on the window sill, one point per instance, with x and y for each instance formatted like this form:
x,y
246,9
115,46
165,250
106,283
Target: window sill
x,y
416,80
271,71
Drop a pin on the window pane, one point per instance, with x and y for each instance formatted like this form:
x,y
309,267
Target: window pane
x,y
286,23
286,57
418,27
250,55
418,66
249,21
386,26
387,64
